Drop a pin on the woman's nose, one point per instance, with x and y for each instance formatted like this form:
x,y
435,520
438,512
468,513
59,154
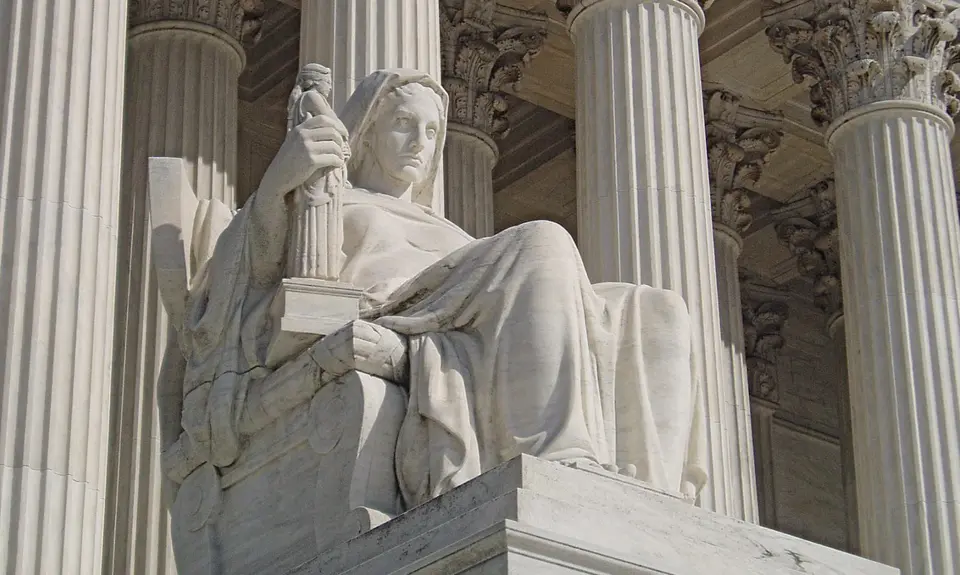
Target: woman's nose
x,y
418,141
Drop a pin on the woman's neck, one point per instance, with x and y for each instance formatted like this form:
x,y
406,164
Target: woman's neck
x,y
376,180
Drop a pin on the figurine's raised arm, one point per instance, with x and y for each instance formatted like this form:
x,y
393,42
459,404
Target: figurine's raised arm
x,y
315,145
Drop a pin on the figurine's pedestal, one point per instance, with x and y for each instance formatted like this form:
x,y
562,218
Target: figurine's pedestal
x,y
317,307
534,517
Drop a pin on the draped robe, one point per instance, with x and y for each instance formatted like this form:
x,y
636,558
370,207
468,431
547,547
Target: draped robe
x,y
511,349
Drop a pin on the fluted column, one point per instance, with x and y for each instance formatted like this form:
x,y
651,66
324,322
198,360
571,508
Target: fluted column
x,y
764,312
181,101
470,156
739,139
61,86
356,37
884,90
484,48
642,187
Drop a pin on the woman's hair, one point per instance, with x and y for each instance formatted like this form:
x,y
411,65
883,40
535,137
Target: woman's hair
x,y
410,90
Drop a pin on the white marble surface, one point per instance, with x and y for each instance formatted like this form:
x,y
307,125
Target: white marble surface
x,y
180,101
470,158
901,281
644,211
356,37
532,516
61,77
595,376
899,241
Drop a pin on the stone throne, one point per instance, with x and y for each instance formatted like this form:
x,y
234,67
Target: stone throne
x,y
317,461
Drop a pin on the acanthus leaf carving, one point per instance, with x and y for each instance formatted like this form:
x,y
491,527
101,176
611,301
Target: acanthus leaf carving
x,y
739,141
808,228
484,51
857,52
765,313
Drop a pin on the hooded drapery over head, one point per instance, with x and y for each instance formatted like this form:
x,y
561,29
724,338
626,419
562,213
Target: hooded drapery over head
x,y
360,113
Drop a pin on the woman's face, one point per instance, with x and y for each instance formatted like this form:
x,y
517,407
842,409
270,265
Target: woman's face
x,y
405,134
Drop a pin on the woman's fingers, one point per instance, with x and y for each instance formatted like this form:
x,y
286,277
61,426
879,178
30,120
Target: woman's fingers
x,y
319,151
326,121
326,133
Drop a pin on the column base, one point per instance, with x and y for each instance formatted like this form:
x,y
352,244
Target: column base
x,y
532,516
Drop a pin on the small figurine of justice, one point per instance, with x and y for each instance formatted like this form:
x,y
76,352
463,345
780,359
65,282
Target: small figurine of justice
x,y
315,220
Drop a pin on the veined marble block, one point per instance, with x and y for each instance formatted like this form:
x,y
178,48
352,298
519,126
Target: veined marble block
x,y
532,516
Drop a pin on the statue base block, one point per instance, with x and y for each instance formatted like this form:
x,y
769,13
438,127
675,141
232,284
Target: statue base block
x,y
535,517
320,307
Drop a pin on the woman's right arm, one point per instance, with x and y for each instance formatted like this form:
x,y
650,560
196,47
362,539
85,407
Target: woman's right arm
x,y
314,145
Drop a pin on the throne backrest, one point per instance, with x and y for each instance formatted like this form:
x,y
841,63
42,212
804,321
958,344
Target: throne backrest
x,y
184,231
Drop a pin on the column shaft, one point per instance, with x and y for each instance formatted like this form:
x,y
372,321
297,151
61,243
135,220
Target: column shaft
x,y
733,364
762,421
470,158
642,187
900,246
356,37
61,84
181,102
847,467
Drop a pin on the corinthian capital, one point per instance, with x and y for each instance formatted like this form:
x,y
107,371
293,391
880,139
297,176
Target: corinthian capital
x,y
765,312
239,19
739,140
808,228
859,52
484,50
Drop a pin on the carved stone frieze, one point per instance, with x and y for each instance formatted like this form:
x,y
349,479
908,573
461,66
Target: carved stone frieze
x,y
739,140
484,49
765,312
858,52
240,19
808,227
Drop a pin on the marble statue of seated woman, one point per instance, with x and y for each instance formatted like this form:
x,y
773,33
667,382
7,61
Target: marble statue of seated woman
x,y
509,348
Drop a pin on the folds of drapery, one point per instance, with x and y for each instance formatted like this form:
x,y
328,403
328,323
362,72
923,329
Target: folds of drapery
x,y
511,350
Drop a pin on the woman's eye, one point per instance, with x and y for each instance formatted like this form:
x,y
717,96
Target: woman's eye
x,y
403,122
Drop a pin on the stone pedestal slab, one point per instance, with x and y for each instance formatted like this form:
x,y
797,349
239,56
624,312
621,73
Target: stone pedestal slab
x,y
531,516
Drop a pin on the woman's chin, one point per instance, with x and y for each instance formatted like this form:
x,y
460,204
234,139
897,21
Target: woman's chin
x,y
411,175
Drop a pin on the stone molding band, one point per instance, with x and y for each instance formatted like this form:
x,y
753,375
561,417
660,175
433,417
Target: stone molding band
x,y
893,108
695,7
186,26
462,129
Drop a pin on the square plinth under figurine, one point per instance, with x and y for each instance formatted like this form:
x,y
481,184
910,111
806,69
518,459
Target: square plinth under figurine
x,y
533,517
315,306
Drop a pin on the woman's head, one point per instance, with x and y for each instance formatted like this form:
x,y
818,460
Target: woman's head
x,y
403,139
397,125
